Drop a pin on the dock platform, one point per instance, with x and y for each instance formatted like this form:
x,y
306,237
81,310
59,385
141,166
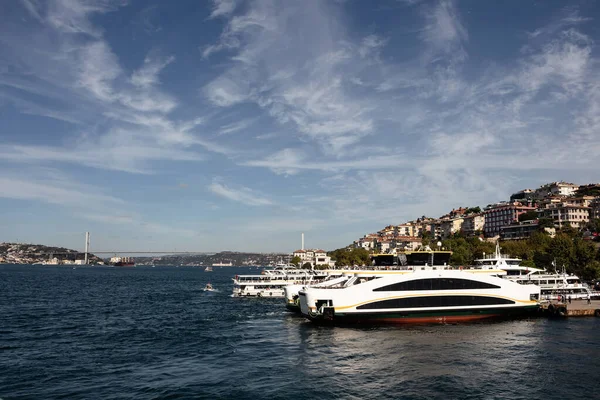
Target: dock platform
x,y
577,308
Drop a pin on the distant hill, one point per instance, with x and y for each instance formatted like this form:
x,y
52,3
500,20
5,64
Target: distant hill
x,y
25,253
235,258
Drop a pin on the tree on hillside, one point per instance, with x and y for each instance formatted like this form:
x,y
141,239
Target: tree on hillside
x,y
296,260
345,256
545,223
593,225
562,251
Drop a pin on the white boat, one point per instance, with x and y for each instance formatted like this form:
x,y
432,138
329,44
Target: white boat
x,y
511,265
209,288
423,259
271,282
208,269
552,284
422,296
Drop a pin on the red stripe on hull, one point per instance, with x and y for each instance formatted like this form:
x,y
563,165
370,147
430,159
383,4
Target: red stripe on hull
x,y
450,319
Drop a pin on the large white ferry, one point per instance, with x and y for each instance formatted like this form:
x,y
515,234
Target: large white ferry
x,y
421,296
552,284
271,282
423,259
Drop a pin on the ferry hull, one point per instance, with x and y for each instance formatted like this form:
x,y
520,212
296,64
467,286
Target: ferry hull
x,y
423,317
293,307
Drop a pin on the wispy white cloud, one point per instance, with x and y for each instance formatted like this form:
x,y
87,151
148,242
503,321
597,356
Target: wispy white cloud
x,y
444,32
237,126
223,7
147,75
570,17
71,16
270,69
54,189
240,194
123,118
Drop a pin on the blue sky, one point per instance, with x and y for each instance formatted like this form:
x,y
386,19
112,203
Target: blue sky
x,y
230,124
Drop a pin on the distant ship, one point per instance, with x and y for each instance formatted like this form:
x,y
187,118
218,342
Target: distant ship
x,y
122,261
208,269
220,264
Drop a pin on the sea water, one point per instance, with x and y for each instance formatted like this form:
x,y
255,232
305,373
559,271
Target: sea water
x,y
143,332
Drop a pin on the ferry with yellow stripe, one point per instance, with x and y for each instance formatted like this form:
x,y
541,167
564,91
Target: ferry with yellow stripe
x,y
432,295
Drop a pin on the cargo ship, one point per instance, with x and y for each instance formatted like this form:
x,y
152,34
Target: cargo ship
x,y
122,261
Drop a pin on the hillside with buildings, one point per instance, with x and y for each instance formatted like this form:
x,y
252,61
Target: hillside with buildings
x,y
549,208
555,227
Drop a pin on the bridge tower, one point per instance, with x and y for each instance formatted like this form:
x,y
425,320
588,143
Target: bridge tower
x,y
87,247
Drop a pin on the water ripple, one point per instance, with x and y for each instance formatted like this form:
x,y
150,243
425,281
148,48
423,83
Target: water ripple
x,y
145,333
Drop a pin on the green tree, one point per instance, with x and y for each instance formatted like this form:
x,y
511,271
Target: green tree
x,y
591,271
307,265
545,223
345,256
562,250
593,225
296,260
568,230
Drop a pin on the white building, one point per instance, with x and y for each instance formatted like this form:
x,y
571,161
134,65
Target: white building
x,y
575,216
314,257
472,224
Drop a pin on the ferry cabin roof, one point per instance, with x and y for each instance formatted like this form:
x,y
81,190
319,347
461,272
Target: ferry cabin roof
x,y
415,258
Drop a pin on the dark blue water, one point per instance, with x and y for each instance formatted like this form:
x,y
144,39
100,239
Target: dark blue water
x,y
142,333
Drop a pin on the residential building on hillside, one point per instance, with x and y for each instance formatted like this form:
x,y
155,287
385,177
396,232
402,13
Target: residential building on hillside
x,y
575,216
367,242
384,246
456,212
584,201
401,243
451,226
407,229
525,194
505,214
595,208
556,189
522,230
436,229
472,223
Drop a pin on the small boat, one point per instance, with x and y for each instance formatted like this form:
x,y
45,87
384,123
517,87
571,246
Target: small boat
x,y
208,269
209,288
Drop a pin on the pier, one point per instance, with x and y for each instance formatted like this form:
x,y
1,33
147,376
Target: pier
x,y
577,308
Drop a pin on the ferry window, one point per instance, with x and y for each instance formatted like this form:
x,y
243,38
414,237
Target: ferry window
x,y
436,284
435,301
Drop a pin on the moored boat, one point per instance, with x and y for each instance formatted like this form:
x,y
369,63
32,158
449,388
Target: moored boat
x,y
552,284
424,296
271,282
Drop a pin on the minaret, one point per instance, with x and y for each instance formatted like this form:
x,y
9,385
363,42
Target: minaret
x,y
302,240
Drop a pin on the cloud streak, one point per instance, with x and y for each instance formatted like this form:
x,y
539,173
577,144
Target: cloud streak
x,y
240,194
